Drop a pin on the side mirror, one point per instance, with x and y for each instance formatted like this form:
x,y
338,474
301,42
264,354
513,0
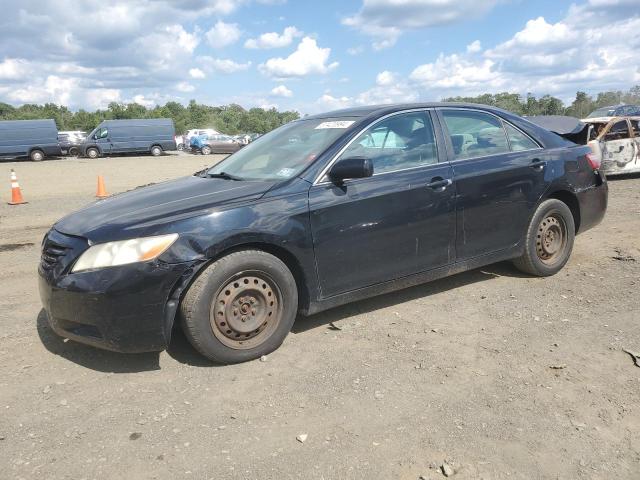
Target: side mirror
x,y
352,167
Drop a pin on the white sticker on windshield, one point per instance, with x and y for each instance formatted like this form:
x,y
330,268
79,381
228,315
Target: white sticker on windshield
x,y
286,172
335,124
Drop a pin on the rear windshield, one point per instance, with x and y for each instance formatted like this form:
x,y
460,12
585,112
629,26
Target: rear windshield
x,y
602,112
284,152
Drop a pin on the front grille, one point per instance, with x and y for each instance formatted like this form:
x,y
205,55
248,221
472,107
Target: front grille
x,y
59,251
51,255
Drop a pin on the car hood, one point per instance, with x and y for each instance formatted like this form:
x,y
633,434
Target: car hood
x,y
147,208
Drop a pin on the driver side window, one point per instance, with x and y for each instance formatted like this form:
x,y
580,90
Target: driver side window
x,y
396,143
102,133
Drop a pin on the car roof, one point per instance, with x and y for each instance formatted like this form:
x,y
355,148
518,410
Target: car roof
x,y
610,119
366,111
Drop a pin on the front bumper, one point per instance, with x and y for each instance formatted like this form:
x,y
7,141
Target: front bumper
x,y
129,308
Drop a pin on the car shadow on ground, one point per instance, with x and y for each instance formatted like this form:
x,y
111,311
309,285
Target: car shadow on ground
x,y
181,350
502,269
94,358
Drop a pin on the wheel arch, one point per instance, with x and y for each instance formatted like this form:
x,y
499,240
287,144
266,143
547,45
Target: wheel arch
x,y
570,200
36,148
283,254
88,147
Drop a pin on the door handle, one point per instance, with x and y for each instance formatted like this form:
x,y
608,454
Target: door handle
x,y
439,183
538,164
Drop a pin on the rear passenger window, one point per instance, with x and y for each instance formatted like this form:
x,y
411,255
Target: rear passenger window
x,y
396,143
475,134
518,140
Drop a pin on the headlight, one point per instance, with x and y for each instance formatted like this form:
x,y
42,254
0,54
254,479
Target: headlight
x,y
123,252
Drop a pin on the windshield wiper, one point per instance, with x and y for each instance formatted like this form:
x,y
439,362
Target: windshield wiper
x,y
226,176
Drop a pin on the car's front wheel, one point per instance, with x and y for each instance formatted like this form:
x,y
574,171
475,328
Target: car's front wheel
x,y
93,152
549,240
240,307
206,150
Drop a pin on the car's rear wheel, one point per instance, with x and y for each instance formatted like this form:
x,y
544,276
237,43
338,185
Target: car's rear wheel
x,y
206,150
156,151
93,152
240,307
549,240
36,156
73,151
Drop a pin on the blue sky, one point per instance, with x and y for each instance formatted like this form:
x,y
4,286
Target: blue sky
x,y
312,55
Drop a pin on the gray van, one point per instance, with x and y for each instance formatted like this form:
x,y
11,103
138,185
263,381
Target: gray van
x,y
36,139
145,135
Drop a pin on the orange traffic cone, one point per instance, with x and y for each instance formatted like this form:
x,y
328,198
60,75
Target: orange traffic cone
x,y
101,192
16,194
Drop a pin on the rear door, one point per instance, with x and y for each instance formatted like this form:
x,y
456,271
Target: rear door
x,y
499,175
398,222
618,146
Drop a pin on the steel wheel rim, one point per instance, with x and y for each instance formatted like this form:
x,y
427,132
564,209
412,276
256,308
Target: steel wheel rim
x,y
246,310
551,239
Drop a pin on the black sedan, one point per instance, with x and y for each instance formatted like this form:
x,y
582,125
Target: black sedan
x,y
320,212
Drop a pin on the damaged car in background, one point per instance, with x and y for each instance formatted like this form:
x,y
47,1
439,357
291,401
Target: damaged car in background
x,y
614,141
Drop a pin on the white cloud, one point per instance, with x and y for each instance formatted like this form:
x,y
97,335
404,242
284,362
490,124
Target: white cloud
x,y
65,91
329,102
223,34
455,71
196,73
274,39
474,47
385,78
185,87
578,52
13,69
306,60
386,20
221,65
281,91
355,50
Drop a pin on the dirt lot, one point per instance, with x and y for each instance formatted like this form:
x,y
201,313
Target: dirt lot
x,y
499,374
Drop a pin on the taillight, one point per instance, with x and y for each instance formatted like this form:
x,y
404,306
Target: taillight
x,y
593,160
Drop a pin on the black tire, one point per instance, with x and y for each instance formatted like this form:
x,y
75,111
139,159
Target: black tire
x,y
93,152
73,151
206,150
156,151
240,307
549,240
36,155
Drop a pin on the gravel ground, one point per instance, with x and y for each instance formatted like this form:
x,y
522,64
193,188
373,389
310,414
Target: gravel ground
x,y
495,373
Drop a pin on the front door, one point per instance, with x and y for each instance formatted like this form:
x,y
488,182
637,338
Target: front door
x,y
103,139
398,222
498,173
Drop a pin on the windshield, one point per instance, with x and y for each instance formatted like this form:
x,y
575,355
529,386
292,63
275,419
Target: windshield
x,y
601,112
284,152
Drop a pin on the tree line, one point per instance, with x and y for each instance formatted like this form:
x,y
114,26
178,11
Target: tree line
x,y
230,119
233,119
582,105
